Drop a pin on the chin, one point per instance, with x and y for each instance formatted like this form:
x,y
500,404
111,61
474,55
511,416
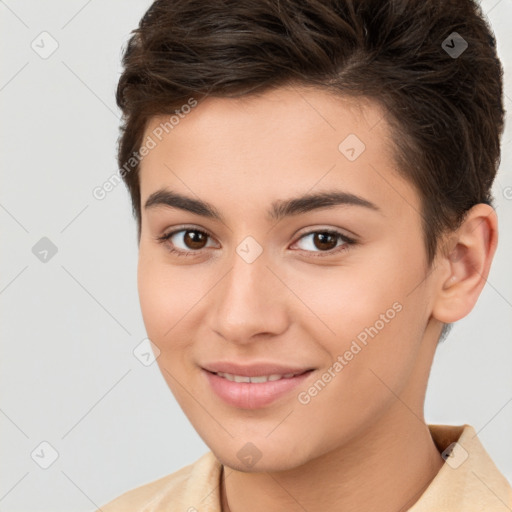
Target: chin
x,y
266,457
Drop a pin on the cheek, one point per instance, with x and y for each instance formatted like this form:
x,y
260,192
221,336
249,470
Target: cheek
x,y
371,319
172,302
165,299
161,294
344,301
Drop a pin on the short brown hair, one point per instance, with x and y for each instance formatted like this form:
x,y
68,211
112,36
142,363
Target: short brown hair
x,y
446,111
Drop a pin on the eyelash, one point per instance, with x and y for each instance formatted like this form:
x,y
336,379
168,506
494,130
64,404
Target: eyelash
x,y
348,242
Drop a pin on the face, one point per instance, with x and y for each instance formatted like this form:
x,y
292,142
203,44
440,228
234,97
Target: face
x,y
235,272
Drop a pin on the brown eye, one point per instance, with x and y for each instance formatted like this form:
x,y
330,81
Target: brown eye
x,y
185,241
194,239
325,241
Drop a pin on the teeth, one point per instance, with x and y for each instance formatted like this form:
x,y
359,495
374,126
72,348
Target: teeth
x,y
262,378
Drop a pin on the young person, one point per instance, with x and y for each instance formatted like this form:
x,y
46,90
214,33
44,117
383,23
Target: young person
x,y
311,181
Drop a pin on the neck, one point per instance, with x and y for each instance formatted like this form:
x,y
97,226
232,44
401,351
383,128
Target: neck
x,y
385,468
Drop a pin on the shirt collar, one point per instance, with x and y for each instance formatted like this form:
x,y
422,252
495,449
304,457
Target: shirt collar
x,y
468,481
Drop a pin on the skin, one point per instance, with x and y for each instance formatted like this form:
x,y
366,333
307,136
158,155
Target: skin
x,y
362,442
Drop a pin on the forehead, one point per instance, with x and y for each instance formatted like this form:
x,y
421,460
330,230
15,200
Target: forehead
x,y
273,145
305,112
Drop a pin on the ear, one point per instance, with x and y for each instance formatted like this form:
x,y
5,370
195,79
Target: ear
x,y
466,264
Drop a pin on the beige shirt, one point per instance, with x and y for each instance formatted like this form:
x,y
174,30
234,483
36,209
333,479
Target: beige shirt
x,y
468,481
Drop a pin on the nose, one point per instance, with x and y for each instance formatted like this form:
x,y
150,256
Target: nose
x,y
250,301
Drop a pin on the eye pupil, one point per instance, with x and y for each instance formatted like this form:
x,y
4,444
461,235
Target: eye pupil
x,y
193,239
324,238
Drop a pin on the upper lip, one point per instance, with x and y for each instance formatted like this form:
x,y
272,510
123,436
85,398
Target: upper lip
x,y
253,370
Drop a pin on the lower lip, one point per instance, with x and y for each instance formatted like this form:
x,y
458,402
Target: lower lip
x,y
253,395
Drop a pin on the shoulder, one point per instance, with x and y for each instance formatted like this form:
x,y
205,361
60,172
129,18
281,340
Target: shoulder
x,y
189,487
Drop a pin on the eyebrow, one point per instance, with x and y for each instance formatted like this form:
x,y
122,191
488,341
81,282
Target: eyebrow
x,y
279,209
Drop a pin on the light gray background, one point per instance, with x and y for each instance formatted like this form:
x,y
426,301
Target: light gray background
x,y
69,326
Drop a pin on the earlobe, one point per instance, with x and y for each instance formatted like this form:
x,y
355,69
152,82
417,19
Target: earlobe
x,y
468,260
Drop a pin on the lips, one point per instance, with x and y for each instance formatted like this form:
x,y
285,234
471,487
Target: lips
x,y
254,386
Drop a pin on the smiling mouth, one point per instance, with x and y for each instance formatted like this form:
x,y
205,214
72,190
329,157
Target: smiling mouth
x,y
255,391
